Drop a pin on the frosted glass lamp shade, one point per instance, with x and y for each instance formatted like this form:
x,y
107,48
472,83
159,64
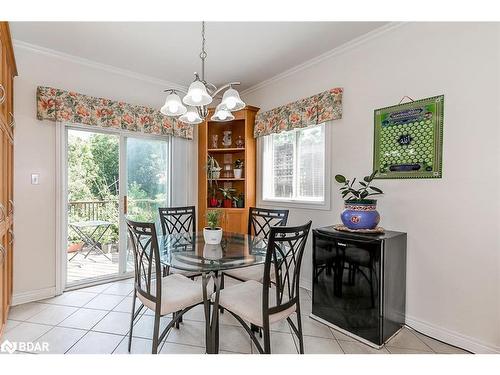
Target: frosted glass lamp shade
x,y
231,100
173,106
197,95
191,117
222,114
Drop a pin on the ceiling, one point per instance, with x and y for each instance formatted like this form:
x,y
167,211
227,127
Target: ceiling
x,y
250,52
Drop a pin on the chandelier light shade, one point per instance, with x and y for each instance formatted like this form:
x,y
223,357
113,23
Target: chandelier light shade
x,y
200,94
173,106
191,117
197,95
231,100
221,114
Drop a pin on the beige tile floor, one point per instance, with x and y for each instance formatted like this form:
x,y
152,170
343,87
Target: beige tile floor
x,y
96,320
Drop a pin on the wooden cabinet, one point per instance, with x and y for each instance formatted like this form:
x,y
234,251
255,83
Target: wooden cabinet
x,y
7,73
234,219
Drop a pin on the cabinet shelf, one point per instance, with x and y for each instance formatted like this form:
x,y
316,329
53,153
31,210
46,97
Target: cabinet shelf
x,y
228,179
226,150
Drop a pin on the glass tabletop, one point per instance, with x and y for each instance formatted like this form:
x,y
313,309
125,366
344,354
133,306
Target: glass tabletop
x,y
189,252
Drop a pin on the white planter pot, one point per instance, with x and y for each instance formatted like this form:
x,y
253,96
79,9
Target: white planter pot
x,y
212,252
237,173
212,236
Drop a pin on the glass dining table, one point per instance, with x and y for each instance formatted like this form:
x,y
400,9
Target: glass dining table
x,y
189,252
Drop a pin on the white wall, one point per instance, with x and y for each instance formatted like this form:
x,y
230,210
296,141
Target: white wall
x,y
35,152
453,264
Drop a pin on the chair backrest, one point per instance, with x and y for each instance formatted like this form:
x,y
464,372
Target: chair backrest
x,y
147,265
260,220
177,219
284,251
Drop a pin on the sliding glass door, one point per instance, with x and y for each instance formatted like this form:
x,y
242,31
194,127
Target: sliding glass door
x,y
148,181
109,175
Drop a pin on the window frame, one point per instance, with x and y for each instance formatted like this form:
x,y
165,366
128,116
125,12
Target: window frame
x,y
295,203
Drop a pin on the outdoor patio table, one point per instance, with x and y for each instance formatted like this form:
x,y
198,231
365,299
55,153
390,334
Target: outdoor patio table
x,y
91,237
188,252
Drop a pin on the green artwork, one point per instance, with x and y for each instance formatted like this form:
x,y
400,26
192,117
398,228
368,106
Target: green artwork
x,y
408,139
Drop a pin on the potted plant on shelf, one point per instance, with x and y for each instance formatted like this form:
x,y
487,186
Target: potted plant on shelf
x,y
212,233
239,200
227,196
212,202
360,211
213,168
238,168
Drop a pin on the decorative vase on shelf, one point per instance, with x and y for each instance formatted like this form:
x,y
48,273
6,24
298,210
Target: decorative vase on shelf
x,y
212,236
213,202
227,203
226,140
360,214
215,141
239,142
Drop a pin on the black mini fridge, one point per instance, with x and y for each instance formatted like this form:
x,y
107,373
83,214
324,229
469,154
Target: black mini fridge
x,y
359,283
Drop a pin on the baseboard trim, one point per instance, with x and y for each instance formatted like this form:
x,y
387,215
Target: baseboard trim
x,y
33,295
450,337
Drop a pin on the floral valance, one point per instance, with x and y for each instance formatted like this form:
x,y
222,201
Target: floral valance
x,y
67,106
313,110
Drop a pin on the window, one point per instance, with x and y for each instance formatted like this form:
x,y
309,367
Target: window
x,y
294,165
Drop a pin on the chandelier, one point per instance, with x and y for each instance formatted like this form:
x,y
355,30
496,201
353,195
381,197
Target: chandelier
x,y
193,108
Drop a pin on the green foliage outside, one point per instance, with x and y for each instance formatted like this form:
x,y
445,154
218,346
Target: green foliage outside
x,y
93,176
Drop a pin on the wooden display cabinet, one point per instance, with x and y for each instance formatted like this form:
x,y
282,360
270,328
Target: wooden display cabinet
x,y
7,73
233,219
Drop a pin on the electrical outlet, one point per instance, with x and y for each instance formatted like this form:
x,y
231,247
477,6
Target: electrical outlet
x,y
35,179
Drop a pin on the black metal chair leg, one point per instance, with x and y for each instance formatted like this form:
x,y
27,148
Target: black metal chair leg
x,y
156,333
300,336
267,341
132,321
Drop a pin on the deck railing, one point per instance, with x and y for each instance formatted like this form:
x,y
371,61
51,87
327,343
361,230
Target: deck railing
x,y
108,209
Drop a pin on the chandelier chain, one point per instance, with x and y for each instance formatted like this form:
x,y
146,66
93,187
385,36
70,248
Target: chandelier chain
x,y
203,54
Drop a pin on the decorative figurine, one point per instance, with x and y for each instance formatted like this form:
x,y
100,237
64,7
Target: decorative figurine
x,y
239,142
226,140
215,141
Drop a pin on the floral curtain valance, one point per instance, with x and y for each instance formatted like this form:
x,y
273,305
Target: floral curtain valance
x,y
313,110
60,105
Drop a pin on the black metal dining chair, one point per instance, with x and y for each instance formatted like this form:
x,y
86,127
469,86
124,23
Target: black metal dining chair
x,y
262,304
177,219
260,221
174,293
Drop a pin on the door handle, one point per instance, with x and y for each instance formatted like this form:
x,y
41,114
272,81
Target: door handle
x,y
2,209
125,205
11,232
2,99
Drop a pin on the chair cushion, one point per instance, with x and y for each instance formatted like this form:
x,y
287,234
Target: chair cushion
x,y
177,293
248,273
184,273
245,300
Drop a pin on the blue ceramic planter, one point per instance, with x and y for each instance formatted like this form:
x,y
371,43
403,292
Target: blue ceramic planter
x,y
360,215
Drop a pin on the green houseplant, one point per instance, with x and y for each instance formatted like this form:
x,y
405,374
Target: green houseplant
x,y
212,233
227,196
360,211
238,168
239,200
213,168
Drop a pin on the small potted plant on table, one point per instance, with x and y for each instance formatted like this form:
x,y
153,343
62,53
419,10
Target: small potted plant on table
x,y
212,233
360,212
238,168
227,196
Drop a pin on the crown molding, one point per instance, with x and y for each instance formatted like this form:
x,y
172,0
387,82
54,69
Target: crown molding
x,y
327,55
19,44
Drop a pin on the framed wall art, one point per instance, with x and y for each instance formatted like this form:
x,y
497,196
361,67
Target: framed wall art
x,y
408,139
